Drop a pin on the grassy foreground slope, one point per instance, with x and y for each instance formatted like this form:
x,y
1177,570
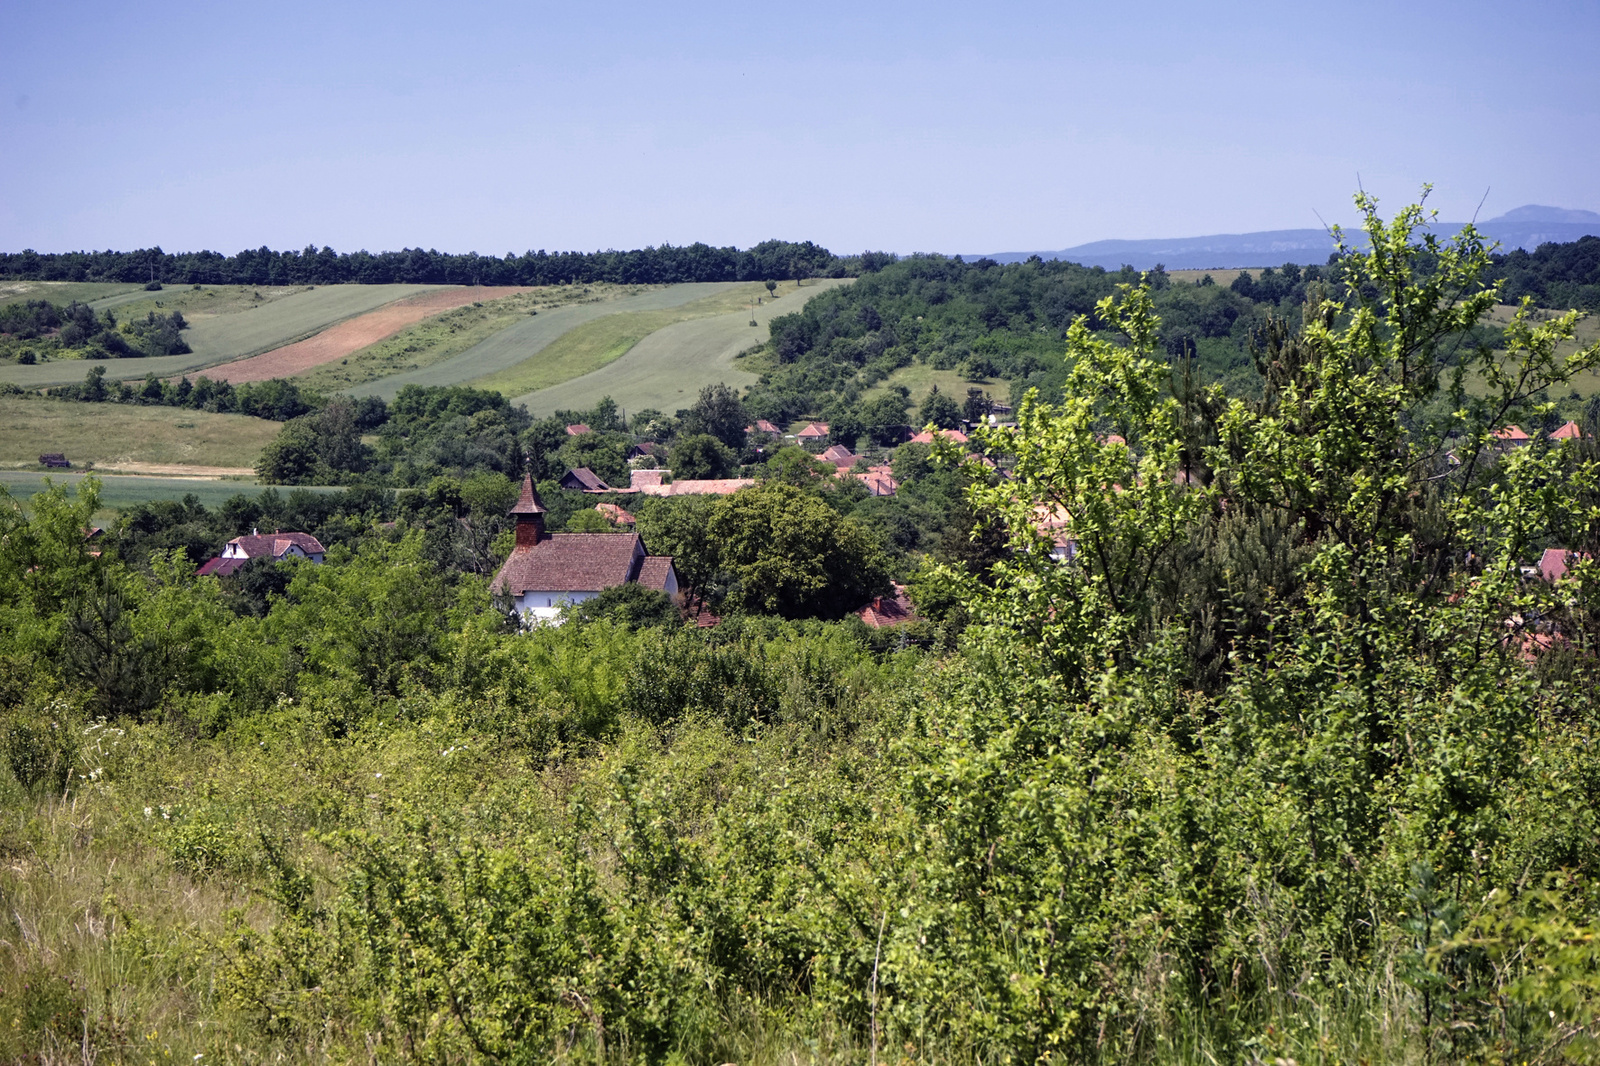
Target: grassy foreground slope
x,y
240,326
111,435
532,336
667,367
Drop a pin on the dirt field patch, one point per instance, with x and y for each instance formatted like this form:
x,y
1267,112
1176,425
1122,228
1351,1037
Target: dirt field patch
x,y
351,336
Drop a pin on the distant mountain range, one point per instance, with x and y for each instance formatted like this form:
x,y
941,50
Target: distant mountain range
x,y
1526,227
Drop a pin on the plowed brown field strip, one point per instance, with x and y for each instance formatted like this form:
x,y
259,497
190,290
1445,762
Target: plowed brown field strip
x,y
342,339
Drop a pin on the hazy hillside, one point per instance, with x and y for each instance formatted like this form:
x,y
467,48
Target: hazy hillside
x,y
1524,227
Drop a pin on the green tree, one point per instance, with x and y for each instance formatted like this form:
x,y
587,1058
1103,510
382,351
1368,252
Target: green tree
x,y
939,410
291,457
719,412
786,552
700,455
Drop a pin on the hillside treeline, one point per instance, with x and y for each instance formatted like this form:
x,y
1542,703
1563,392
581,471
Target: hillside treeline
x,y
666,264
1255,740
1554,275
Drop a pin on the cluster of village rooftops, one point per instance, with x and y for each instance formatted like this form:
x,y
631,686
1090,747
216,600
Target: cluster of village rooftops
x,y
547,572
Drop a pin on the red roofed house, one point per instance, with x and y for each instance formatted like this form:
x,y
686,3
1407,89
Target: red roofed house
x,y
1570,431
274,546
578,429
614,514
1510,437
1555,562
948,434
879,480
840,456
813,433
761,425
547,571
891,610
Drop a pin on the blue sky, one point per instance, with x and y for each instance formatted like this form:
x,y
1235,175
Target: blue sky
x,y
926,126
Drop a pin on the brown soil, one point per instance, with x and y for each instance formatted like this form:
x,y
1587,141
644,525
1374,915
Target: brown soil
x,y
352,335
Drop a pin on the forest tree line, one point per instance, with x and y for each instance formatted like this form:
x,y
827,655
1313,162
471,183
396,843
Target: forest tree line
x,y
662,265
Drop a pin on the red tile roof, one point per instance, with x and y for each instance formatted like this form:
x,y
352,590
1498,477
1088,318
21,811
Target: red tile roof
x,y
276,544
639,479
571,562
614,514
578,429
1555,562
724,486
813,431
1570,431
948,434
220,567
1511,435
761,425
891,610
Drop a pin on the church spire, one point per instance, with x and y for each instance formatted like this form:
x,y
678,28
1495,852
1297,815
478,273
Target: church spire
x,y
529,513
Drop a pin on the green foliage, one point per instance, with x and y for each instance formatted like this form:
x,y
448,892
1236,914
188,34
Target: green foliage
x,y
630,605
700,455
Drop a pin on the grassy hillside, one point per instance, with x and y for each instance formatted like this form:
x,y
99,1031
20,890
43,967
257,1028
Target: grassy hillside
x,y
446,336
111,434
531,336
231,325
921,377
667,367
62,292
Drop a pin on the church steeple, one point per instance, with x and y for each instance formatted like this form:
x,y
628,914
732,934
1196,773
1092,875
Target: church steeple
x,y
529,513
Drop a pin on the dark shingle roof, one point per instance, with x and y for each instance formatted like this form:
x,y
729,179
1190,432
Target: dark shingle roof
x,y
528,502
571,562
654,570
584,479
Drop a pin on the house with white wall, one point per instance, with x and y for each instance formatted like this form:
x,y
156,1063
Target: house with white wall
x,y
548,571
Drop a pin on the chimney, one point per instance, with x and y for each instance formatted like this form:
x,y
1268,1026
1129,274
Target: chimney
x,y
529,513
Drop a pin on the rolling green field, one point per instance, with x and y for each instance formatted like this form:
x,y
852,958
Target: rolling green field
x,y
445,336
108,434
667,366
64,292
530,336
118,492
603,341
239,326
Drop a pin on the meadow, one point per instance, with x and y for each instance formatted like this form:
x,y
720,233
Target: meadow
x,y
64,292
529,338
919,378
667,368
232,325
121,491
443,337
117,435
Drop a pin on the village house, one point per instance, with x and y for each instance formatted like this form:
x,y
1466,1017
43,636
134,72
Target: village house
x,y
584,480
813,433
761,425
891,610
655,483
276,546
548,571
